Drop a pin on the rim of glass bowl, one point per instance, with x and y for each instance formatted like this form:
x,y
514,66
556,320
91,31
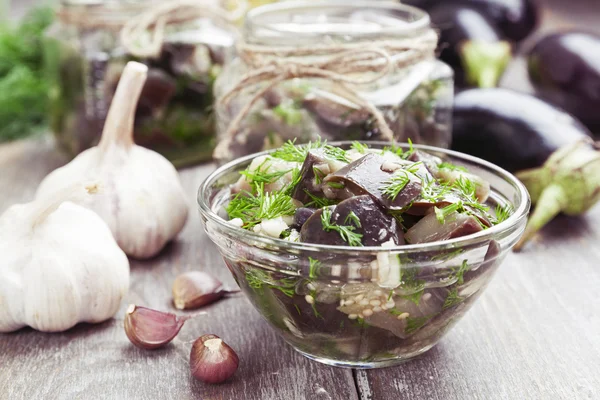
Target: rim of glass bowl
x,y
521,210
420,20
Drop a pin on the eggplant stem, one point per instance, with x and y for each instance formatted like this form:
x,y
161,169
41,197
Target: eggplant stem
x,y
484,62
550,204
534,180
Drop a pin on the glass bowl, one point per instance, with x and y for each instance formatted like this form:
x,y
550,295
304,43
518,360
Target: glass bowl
x,y
364,307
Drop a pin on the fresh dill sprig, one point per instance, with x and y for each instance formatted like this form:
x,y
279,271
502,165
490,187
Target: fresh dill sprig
x,y
452,167
352,218
254,208
336,185
414,297
452,299
399,151
346,232
257,278
433,191
460,272
263,175
319,175
503,213
314,265
336,153
413,324
360,147
292,152
392,187
318,202
296,178
442,213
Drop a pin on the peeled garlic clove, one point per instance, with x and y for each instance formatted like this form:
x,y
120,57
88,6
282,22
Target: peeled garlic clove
x,y
195,289
150,329
142,200
212,360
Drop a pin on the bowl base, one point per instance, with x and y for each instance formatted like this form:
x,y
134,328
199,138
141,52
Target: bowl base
x,y
366,364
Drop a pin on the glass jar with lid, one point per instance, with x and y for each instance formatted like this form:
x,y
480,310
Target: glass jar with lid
x,y
184,44
338,70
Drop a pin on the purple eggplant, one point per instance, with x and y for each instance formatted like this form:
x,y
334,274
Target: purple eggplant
x,y
516,19
471,44
565,70
513,130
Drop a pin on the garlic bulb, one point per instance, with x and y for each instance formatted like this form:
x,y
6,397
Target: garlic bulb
x,y
59,265
144,204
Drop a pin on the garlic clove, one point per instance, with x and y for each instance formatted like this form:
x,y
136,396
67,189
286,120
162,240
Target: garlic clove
x,y
195,289
212,360
150,329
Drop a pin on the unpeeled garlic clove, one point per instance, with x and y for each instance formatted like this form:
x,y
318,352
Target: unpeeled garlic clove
x,y
195,289
212,360
150,329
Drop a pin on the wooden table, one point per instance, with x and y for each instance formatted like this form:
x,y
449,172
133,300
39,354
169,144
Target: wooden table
x,y
534,334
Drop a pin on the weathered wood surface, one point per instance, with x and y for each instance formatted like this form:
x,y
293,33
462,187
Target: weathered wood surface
x,y
534,334
99,362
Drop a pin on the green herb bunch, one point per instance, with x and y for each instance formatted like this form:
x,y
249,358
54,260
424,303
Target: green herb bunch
x,y
23,88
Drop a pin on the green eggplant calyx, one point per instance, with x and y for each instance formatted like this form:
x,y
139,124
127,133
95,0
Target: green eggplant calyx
x,y
551,202
569,182
485,62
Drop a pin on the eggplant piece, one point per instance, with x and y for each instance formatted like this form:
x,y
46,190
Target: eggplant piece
x,y
429,228
565,70
471,44
315,168
366,176
374,225
516,19
335,109
512,130
301,215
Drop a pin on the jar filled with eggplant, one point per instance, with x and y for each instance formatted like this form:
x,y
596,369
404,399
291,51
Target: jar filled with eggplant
x,y
335,70
184,44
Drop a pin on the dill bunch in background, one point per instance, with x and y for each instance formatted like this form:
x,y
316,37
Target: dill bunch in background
x,y
23,88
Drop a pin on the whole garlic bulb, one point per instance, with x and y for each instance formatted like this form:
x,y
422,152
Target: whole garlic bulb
x,y
144,204
59,265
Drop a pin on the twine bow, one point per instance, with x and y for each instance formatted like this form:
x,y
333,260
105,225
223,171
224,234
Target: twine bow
x,y
339,63
144,35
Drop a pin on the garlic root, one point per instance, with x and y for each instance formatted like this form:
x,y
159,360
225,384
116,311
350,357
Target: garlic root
x,y
142,200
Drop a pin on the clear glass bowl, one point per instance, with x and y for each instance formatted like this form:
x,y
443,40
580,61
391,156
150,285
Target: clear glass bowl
x,y
330,303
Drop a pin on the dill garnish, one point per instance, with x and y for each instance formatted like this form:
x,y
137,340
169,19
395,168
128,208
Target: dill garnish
x,y
318,202
503,213
452,167
313,267
292,152
360,147
346,232
254,208
452,299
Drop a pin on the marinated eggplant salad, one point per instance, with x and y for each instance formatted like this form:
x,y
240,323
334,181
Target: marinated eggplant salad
x,y
383,306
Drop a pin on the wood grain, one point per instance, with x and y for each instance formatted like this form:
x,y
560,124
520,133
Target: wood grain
x,y
99,362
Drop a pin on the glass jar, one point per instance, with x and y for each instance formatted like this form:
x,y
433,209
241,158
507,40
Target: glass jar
x,y
326,69
86,55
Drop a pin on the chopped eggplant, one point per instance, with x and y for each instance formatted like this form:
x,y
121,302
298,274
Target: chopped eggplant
x,y
359,218
430,229
367,176
372,302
